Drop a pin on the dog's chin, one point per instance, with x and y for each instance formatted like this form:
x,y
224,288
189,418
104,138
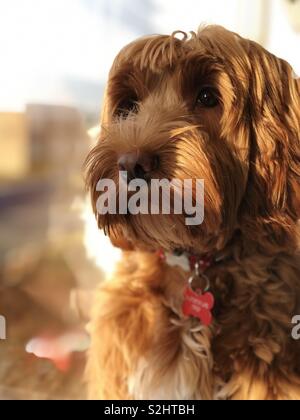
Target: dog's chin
x,y
155,232
191,232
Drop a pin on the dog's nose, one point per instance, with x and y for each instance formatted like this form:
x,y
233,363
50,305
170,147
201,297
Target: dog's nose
x,y
138,165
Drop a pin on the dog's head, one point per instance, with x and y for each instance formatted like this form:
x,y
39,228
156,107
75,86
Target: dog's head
x,y
209,106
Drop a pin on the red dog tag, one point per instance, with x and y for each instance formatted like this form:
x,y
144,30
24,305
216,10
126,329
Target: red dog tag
x,y
198,306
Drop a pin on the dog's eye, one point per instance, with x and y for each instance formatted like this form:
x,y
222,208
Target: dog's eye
x,y
207,98
126,107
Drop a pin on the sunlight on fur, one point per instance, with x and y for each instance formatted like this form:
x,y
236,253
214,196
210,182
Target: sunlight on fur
x,y
209,105
98,246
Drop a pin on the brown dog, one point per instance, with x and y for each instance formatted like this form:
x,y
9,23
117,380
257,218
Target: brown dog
x,y
216,107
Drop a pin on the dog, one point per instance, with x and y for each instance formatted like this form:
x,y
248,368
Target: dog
x,y
214,106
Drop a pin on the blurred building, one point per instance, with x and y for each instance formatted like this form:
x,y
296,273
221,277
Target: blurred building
x,y
57,137
14,146
44,138
42,152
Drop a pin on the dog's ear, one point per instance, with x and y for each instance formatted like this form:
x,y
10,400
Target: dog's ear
x,y
273,192
118,240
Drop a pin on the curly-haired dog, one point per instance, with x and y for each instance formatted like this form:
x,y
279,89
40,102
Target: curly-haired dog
x,y
217,107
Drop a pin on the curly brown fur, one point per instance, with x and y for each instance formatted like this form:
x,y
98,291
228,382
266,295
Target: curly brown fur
x,y
247,149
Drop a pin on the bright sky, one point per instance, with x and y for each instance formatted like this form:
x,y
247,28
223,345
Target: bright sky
x,y
43,43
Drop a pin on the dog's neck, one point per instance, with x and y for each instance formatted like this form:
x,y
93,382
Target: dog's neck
x,y
187,260
238,248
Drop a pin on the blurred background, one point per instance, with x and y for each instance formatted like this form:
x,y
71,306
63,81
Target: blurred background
x,y
55,57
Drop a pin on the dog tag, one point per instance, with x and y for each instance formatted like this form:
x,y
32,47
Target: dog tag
x,y
198,305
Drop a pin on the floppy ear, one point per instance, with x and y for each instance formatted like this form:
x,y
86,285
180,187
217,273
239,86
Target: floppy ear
x,y
118,240
273,192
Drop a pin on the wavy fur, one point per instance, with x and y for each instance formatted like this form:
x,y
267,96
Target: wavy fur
x,y
247,150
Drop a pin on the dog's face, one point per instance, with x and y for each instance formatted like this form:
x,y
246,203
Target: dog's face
x,y
211,106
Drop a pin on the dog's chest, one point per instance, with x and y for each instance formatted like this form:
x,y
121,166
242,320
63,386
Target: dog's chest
x,y
142,384
186,375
